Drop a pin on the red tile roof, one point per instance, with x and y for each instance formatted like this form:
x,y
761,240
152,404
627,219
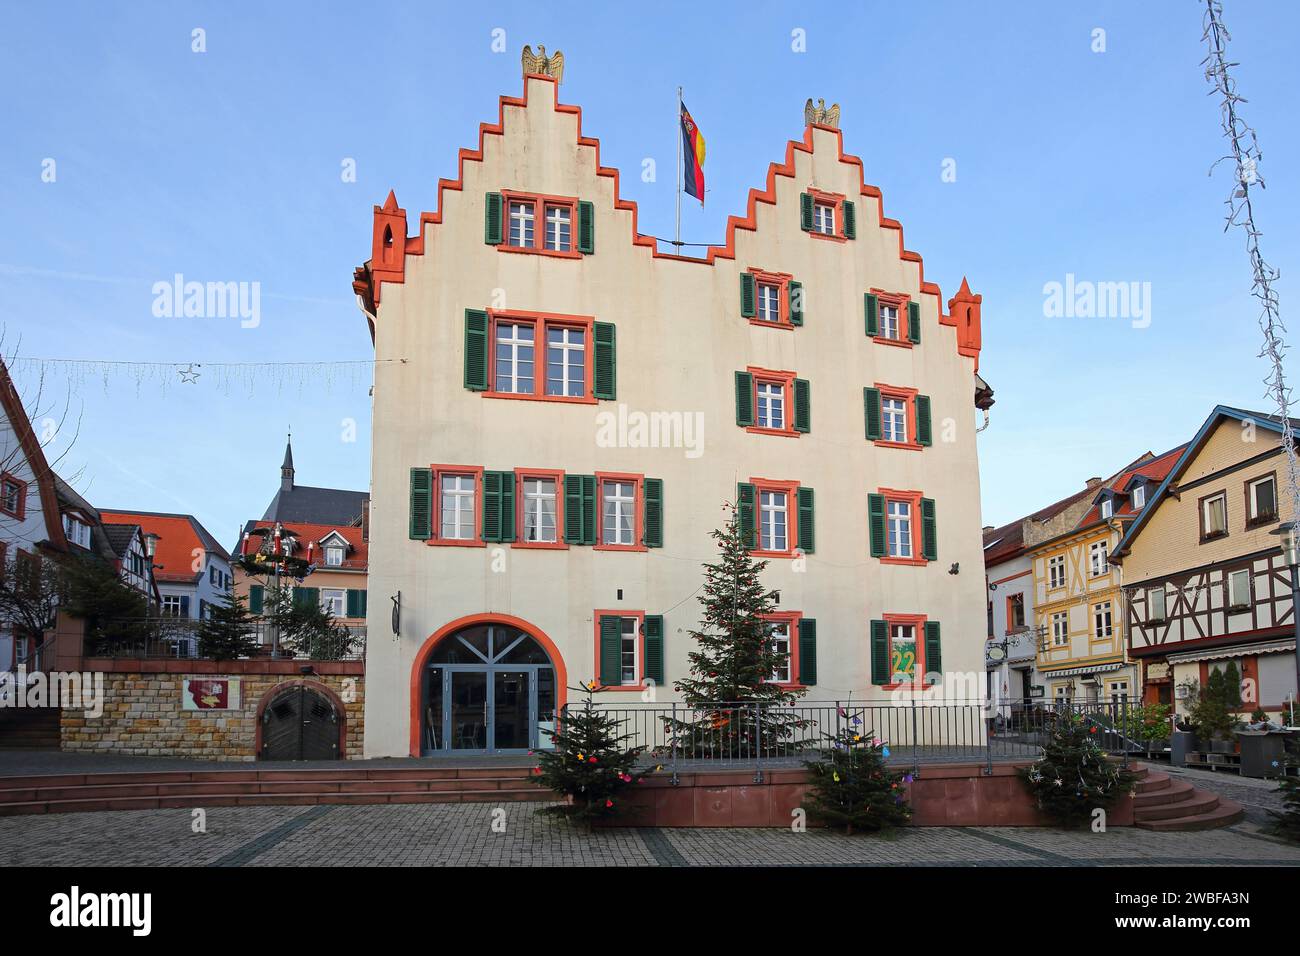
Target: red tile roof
x,y
1154,468
181,539
357,557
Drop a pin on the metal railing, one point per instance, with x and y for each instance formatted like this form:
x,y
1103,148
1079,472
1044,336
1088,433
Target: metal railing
x,y
178,638
916,732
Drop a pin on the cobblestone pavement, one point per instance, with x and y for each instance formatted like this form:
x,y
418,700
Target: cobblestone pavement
x,y
513,835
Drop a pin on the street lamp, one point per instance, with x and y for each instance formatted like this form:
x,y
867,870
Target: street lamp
x,y
150,545
1291,554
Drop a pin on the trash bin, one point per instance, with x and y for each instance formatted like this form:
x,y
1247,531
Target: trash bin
x,y
1181,743
1263,753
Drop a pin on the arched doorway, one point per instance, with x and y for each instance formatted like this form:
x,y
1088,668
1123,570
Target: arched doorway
x,y
300,720
487,687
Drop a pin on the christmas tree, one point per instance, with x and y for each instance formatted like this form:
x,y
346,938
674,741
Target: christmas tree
x,y
229,631
1286,823
853,788
589,763
734,661
1074,777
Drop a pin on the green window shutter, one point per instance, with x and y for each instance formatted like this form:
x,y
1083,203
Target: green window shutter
x,y
421,504
654,648
871,406
586,228
806,212
914,321
611,640
306,597
871,306
876,522
806,525
606,365
588,509
498,506
476,350
923,435
807,652
929,533
850,220
879,653
802,405
794,290
653,492
745,507
933,653
493,218
744,399
354,602
365,601
748,294
256,594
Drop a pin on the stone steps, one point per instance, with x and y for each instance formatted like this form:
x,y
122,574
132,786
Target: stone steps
x,y
1163,803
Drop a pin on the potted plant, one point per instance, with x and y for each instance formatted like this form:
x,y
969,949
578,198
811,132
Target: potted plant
x,y
1149,726
1212,716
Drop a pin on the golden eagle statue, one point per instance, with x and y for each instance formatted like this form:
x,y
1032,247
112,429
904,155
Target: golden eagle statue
x,y
539,62
821,115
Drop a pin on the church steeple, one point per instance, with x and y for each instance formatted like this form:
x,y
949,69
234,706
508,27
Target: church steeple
x,y
286,469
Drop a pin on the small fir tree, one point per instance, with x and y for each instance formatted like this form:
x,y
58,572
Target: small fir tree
x,y
853,787
229,631
590,763
1286,822
1074,777
734,660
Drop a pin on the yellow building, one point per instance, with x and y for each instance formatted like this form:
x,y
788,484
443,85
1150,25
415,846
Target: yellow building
x,y
1078,600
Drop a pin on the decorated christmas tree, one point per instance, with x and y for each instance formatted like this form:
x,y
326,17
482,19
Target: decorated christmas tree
x,y
1074,777
229,631
590,763
852,787
735,660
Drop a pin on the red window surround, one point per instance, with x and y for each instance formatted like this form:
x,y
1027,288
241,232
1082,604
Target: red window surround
x,y
792,618
476,471
913,498
640,648
786,381
638,510
781,281
834,200
8,481
541,322
898,300
791,490
918,671
540,204
558,477
908,396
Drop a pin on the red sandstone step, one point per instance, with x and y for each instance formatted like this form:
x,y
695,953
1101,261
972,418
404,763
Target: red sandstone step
x,y
1197,803
1153,781
1176,792
1225,814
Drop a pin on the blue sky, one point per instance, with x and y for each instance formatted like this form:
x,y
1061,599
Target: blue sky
x,y
225,166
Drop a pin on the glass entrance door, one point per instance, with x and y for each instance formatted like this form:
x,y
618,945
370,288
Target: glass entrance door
x,y
511,706
468,703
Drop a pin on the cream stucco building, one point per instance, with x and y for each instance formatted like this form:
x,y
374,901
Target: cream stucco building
x,y
561,413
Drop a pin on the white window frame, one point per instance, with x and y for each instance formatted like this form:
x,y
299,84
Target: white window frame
x,y
889,325
1152,594
334,600
171,606
824,218
1107,509
618,505
1206,510
768,302
334,555
1099,558
893,419
769,401
11,496
773,520
460,495
1103,622
571,351
780,639
904,631
1139,497
899,540
536,510
629,634
559,228
521,224
1061,629
1234,591
1253,489
516,346
1056,572
77,531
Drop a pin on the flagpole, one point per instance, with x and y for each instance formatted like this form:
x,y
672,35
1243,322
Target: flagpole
x,y
677,231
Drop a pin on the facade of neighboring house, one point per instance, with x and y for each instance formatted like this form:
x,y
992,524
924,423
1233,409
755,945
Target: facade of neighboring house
x,y
339,556
30,517
191,569
1012,650
534,541
1204,571
1078,601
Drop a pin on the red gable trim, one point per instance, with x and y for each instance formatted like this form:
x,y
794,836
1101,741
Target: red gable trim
x,y
35,455
388,271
